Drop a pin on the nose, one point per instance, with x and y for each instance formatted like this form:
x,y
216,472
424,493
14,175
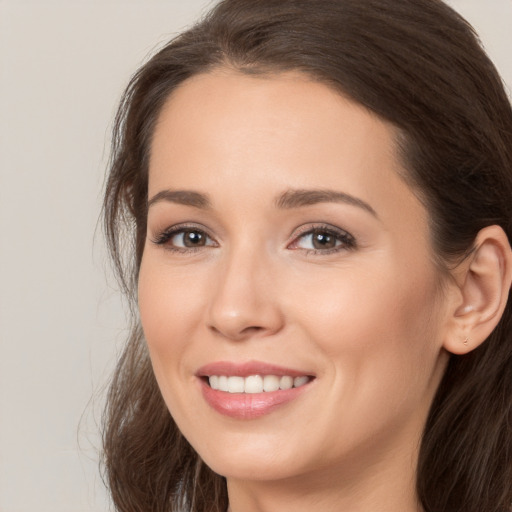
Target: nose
x,y
245,301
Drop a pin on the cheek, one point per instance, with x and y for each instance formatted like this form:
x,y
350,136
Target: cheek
x,y
377,340
171,308
377,331
356,309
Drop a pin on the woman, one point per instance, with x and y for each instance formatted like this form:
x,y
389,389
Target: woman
x,y
318,197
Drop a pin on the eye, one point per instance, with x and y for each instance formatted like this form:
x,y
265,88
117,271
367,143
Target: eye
x,y
324,240
189,238
184,239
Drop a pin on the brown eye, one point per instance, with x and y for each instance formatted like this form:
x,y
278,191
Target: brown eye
x,y
182,239
191,239
323,240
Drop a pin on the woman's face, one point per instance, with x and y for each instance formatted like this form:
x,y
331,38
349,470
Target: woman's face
x,y
283,249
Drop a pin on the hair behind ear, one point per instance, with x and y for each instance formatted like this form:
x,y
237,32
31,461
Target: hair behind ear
x,y
466,451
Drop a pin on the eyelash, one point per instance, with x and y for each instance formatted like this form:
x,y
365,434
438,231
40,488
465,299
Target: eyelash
x,y
165,236
348,242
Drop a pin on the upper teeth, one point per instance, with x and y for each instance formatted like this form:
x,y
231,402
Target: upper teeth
x,y
255,383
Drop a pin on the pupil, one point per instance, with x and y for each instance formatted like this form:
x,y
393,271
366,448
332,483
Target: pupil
x,y
193,238
322,240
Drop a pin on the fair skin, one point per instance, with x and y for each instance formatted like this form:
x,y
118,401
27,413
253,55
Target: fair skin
x,y
340,287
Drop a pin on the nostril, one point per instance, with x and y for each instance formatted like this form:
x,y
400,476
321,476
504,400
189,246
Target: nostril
x,y
252,329
237,334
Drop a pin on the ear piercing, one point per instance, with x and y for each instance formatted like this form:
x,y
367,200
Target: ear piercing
x,y
466,341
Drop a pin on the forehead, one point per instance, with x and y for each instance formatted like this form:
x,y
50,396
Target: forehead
x,y
229,134
260,121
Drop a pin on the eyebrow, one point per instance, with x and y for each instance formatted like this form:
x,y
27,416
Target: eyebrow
x,y
184,197
298,198
288,200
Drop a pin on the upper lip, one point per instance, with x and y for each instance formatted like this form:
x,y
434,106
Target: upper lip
x,y
248,368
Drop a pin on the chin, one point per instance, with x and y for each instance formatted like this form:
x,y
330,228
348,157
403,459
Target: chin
x,y
249,456
252,467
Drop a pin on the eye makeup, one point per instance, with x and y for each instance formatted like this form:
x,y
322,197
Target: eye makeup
x,y
323,239
320,239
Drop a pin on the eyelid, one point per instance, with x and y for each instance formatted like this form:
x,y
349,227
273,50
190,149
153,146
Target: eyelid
x,y
349,241
165,235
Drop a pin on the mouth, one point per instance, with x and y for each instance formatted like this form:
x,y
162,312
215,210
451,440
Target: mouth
x,y
256,383
251,390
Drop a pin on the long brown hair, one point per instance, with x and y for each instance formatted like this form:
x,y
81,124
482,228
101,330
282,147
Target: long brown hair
x,y
415,63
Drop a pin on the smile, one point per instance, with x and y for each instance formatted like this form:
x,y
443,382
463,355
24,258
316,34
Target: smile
x,y
246,391
256,383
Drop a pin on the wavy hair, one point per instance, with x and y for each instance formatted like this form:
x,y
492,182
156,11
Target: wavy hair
x,y
416,64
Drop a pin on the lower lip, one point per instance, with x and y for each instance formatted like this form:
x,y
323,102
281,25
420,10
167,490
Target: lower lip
x,y
248,406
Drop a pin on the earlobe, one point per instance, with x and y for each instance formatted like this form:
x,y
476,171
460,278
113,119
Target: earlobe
x,y
484,287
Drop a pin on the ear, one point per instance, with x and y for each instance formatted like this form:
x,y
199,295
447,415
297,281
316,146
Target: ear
x,y
483,282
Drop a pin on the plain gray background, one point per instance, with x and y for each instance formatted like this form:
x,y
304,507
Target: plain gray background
x,y
63,66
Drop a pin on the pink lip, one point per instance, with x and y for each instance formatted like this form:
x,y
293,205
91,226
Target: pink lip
x,y
247,405
246,369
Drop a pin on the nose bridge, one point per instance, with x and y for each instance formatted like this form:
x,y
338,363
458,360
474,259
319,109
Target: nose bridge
x,y
243,302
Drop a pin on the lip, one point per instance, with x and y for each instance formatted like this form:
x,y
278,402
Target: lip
x,y
248,368
247,406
